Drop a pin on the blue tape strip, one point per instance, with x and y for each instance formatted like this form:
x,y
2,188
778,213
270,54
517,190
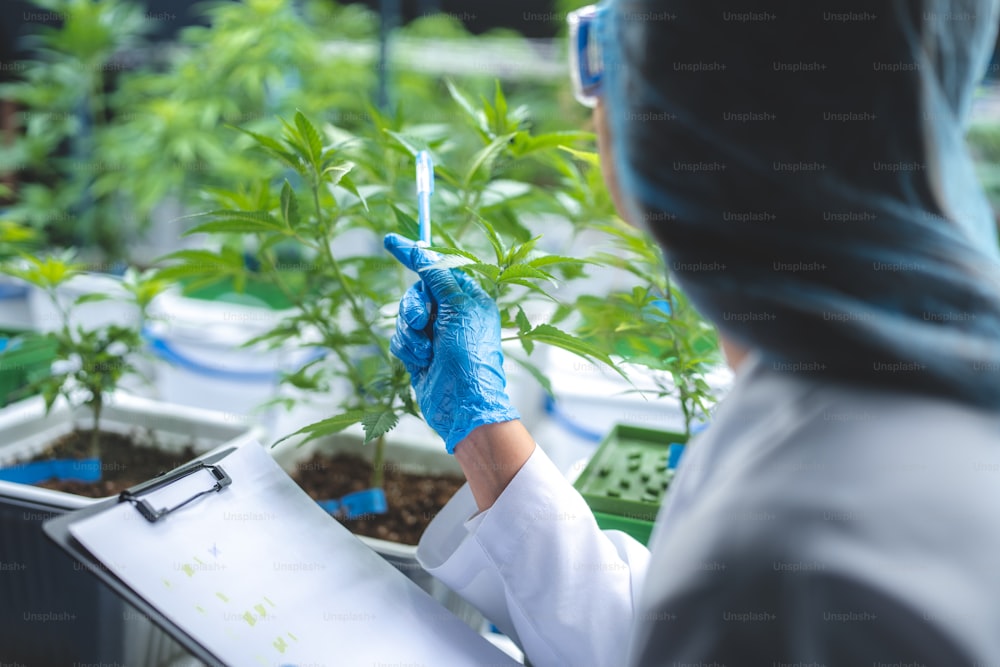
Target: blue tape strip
x,y
357,504
674,453
163,350
11,292
79,470
166,352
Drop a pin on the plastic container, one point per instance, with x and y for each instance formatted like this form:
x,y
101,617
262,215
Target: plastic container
x,y
53,611
591,398
22,361
115,310
202,361
626,479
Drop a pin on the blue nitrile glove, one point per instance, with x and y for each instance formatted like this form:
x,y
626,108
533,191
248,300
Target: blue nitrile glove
x,y
455,365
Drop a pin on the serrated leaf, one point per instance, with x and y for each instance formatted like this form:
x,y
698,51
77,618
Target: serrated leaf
x,y
405,142
484,158
549,260
338,171
524,272
458,252
550,335
290,206
408,227
275,149
589,157
201,262
377,424
494,238
517,253
313,142
500,104
347,183
525,144
238,222
326,427
263,140
523,323
488,270
530,285
467,107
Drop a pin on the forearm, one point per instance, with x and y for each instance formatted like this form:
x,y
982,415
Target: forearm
x,y
491,456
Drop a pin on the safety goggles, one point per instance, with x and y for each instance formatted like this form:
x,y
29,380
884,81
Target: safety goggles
x,y
586,62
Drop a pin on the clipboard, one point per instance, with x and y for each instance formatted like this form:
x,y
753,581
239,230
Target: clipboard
x,y
57,530
370,609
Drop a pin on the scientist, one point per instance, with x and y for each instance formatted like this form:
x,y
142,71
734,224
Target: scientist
x,y
843,507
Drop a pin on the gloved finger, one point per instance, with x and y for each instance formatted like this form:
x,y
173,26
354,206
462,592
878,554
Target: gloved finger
x,y
411,346
440,282
415,307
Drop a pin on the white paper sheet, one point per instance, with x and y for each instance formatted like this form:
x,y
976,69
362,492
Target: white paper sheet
x,y
260,575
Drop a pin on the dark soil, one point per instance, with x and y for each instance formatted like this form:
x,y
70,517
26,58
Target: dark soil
x,y
124,462
413,499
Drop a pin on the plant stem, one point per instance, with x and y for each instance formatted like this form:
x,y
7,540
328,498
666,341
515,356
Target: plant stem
x,y
378,463
295,298
359,315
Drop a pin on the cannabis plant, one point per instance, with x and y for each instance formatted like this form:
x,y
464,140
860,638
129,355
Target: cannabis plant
x,y
337,182
90,360
653,325
15,238
66,112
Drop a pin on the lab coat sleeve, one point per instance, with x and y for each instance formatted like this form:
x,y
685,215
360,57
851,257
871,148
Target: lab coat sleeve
x,y
537,565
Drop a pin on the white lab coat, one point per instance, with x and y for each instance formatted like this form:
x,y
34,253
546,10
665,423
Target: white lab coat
x,y
811,524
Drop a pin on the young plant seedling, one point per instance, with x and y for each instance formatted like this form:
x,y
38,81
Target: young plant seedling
x,y
90,360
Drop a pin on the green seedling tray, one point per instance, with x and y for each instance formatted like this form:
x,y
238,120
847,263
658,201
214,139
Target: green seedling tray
x,y
254,293
626,479
22,362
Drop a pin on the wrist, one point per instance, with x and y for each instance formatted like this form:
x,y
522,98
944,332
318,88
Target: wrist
x,y
491,455
466,424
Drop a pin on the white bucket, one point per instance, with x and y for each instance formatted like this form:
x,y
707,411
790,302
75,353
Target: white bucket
x,y
201,361
115,310
591,398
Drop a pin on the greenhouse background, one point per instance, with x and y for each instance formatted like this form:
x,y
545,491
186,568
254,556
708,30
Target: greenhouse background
x,y
193,198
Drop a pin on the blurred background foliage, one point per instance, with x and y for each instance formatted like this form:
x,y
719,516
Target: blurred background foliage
x,y
116,129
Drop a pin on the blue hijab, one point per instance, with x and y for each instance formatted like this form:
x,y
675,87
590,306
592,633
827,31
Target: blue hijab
x,y
805,171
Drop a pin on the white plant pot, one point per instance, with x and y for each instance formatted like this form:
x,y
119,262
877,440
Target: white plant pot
x,y
418,459
115,310
525,392
104,628
202,362
590,399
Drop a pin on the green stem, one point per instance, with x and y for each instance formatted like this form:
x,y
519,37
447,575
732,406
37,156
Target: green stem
x,y
359,315
378,463
299,303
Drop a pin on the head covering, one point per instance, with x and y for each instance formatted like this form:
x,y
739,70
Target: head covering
x,y
804,168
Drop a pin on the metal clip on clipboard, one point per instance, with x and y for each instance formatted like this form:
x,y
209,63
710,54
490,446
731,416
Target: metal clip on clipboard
x,y
222,480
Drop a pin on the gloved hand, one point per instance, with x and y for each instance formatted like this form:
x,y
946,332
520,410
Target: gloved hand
x,y
455,364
